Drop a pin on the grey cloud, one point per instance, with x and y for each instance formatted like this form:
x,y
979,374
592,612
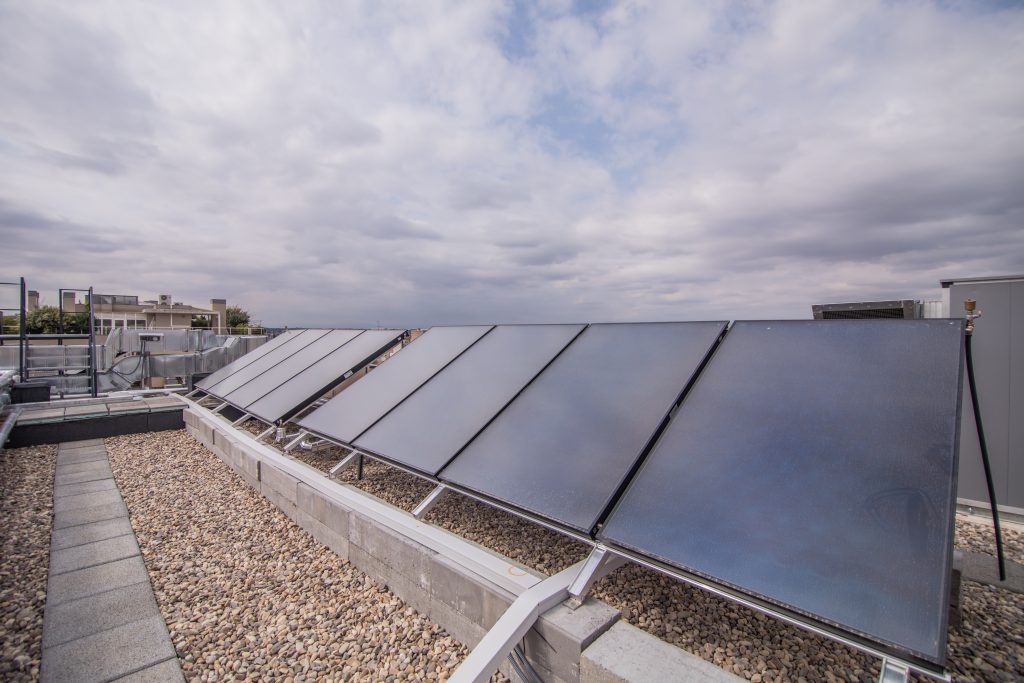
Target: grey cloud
x,y
545,255
348,166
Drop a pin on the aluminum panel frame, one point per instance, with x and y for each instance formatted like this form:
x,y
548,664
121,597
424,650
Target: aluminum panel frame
x,y
316,380
359,407
432,425
564,447
254,355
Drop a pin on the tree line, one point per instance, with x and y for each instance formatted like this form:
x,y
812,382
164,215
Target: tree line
x,y
46,320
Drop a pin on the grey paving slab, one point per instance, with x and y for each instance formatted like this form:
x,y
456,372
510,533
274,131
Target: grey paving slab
x,y
128,407
82,583
90,454
85,411
83,617
90,514
76,467
984,568
85,500
101,621
90,554
79,477
75,446
50,414
83,443
164,402
81,534
165,672
62,490
110,654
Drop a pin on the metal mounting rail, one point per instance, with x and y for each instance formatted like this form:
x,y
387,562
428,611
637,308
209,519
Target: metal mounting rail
x,y
513,625
891,666
430,501
293,444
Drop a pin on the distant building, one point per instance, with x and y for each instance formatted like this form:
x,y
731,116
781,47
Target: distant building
x,y
120,310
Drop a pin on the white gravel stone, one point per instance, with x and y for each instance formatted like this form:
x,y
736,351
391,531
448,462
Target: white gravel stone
x,y
248,595
26,518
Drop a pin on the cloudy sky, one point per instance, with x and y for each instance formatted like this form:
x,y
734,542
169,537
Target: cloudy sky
x,y
354,163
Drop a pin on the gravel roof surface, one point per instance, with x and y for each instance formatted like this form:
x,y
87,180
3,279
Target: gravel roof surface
x,y
26,518
246,593
975,533
988,646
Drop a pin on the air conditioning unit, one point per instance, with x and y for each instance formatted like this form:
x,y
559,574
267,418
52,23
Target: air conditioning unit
x,y
903,309
165,301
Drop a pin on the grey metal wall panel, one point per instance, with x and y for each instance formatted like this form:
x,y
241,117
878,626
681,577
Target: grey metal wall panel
x,y
318,378
352,411
1014,495
286,368
429,427
992,353
813,464
245,360
561,449
266,362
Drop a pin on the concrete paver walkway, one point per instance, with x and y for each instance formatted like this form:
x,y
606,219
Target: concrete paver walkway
x,y
101,621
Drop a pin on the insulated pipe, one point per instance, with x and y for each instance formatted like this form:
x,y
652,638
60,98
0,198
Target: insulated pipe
x,y
8,425
7,378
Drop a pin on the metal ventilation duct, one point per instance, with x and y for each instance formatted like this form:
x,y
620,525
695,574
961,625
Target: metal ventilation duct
x,y
902,309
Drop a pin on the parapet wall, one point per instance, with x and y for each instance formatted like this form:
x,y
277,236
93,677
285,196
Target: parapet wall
x,y
463,587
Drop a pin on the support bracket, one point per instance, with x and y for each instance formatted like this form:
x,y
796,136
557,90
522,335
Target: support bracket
x,y
894,672
347,461
219,408
265,433
240,420
512,626
600,562
291,445
430,501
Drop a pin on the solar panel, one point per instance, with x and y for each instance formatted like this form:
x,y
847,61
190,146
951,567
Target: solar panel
x,y
429,427
266,362
813,465
351,412
239,363
567,442
286,368
321,376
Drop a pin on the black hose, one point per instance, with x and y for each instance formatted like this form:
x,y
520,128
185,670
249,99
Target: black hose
x,y
984,459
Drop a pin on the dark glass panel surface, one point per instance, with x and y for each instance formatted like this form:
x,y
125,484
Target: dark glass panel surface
x,y
351,412
270,360
239,363
429,427
287,368
813,464
562,448
315,380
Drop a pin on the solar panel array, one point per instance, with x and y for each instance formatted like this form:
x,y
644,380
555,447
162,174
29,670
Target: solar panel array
x,y
813,464
808,464
285,375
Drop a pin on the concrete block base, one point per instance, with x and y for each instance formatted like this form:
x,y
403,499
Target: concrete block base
x,y
625,653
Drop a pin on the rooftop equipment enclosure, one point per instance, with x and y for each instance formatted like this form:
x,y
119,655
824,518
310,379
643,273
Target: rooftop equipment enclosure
x,y
999,365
